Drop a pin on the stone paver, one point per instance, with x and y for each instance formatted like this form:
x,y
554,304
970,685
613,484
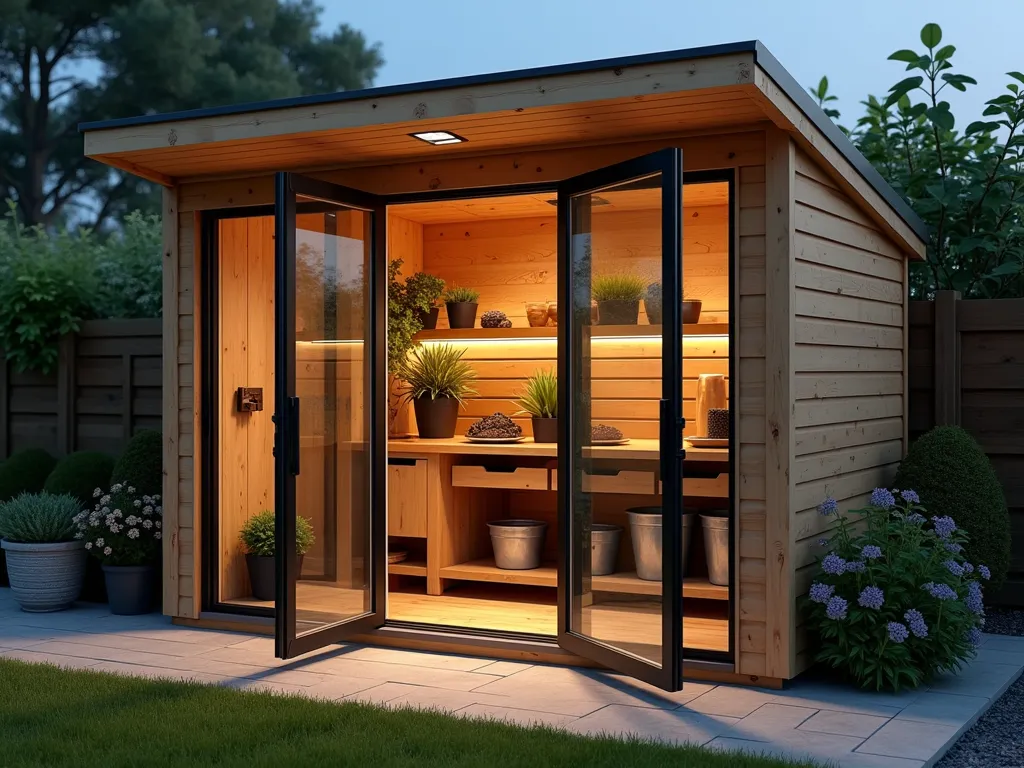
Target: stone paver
x,y
828,723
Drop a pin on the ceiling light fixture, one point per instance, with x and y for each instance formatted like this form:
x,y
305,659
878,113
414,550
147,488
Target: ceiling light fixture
x,y
437,138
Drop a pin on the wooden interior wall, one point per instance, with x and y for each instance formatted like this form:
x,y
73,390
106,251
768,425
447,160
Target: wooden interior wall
x,y
246,350
405,242
849,361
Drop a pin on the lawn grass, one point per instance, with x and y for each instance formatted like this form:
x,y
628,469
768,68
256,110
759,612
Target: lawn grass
x,y
57,717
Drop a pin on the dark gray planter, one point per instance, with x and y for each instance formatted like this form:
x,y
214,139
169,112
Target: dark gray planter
x,y
461,314
544,430
436,418
262,573
618,312
130,588
428,319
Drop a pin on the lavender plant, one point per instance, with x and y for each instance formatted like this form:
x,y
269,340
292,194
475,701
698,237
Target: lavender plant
x,y
895,602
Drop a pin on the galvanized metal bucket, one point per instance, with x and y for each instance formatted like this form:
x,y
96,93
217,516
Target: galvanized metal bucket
x,y
716,547
517,544
604,548
645,527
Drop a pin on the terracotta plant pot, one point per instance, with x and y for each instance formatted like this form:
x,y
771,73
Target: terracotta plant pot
x,y
545,430
45,577
429,319
129,588
653,308
461,314
618,312
691,312
436,419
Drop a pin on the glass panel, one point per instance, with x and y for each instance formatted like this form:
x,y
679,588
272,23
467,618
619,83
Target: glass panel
x,y
332,263
616,258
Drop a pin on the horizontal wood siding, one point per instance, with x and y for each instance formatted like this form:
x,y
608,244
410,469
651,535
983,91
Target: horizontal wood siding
x,y
849,400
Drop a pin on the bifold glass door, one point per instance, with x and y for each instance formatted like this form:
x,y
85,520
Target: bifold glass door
x,y
634,625
330,424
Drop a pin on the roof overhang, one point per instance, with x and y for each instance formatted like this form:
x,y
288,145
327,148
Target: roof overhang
x,y
611,100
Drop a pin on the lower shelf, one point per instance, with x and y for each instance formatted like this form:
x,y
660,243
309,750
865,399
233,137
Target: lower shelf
x,y
408,568
547,576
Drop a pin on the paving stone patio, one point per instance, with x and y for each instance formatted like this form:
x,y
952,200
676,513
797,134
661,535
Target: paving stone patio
x,y
811,719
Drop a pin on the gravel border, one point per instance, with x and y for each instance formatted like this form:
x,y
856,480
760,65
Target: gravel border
x,y
997,739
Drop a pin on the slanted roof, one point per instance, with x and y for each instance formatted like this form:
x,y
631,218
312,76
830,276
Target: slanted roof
x,y
628,98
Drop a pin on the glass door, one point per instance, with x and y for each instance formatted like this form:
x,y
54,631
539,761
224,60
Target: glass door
x,y
620,235
330,421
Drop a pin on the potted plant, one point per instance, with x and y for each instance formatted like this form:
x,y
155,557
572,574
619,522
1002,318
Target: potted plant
x,y
123,531
422,293
438,381
258,538
540,400
653,306
618,298
403,323
45,560
461,304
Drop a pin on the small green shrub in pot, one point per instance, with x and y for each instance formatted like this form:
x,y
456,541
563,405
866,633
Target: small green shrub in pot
x,y
955,477
423,291
540,401
259,539
618,298
895,602
461,305
437,382
141,464
45,558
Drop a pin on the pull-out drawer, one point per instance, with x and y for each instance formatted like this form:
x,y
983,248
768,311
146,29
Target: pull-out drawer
x,y
712,486
623,481
523,478
407,497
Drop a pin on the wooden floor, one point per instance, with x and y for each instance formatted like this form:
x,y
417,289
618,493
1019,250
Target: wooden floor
x,y
633,625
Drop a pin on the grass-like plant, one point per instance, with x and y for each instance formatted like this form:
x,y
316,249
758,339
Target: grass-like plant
x,y
540,398
39,518
438,370
460,295
620,286
259,534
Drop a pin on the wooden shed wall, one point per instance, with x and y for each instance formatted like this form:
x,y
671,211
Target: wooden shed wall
x,y
849,416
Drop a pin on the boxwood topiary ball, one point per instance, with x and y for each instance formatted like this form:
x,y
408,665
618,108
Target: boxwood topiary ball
x,y
25,471
141,464
80,474
954,477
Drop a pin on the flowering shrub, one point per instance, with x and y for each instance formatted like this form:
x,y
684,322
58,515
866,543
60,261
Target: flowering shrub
x,y
896,602
124,528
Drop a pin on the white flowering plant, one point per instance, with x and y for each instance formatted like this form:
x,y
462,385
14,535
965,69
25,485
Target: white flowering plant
x,y
895,602
123,528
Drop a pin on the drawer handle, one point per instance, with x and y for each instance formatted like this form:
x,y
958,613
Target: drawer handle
x,y
399,462
500,470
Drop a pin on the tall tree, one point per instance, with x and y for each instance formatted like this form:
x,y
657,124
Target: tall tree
x,y
67,61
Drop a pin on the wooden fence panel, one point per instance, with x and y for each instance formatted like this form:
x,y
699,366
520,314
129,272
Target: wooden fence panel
x,y
967,368
107,387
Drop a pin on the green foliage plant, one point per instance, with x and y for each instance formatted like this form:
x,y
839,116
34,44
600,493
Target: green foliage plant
x,y
955,478
540,397
966,183
618,287
39,518
438,370
424,291
25,471
258,535
124,527
457,294
81,474
895,602
129,269
141,464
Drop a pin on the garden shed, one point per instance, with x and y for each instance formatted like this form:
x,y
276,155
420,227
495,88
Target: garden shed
x,y
670,525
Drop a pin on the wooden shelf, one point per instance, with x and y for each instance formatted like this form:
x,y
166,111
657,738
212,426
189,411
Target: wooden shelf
x,y
410,567
599,331
547,576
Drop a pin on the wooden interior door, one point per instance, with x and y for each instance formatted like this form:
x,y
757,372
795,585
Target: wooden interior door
x,y
589,619
330,444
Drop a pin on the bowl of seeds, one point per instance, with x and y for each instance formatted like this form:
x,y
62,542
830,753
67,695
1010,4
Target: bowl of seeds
x,y
496,428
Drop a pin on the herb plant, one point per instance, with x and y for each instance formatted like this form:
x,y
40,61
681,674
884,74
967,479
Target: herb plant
x,y
259,533
438,370
423,291
39,518
540,398
123,528
459,295
896,602
618,287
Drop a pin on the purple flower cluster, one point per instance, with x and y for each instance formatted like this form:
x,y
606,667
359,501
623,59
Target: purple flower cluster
x,y
952,546
968,569
883,498
833,564
871,552
910,497
871,597
986,574
954,567
856,566
916,518
974,636
944,526
974,600
822,542
897,632
820,593
828,506
915,619
940,591
836,608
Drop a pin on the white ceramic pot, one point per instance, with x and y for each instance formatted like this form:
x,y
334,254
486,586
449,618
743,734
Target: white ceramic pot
x,y
45,577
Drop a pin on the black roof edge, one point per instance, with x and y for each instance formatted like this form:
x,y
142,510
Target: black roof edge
x,y
838,139
762,56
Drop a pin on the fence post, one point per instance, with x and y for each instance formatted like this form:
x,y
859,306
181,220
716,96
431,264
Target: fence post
x,y
66,366
947,359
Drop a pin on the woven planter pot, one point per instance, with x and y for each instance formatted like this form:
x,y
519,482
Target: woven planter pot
x,y
45,577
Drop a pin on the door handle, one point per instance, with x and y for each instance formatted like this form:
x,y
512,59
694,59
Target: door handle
x,y
293,435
